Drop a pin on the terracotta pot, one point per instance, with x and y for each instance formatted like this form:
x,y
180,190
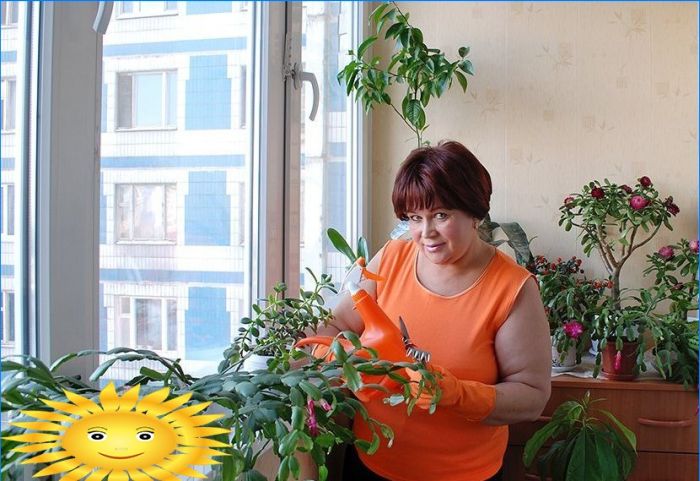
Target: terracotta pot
x,y
626,370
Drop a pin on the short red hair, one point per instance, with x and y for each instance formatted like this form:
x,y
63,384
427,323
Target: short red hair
x,y
447,175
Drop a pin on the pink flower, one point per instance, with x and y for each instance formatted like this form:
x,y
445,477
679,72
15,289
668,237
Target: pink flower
x,y
324,404
645,181
618,361
597,193
626,188
568,200
666,252
638,202
694,246
573,329
311,421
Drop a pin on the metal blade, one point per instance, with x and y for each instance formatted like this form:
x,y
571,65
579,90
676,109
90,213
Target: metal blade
x,y
404,329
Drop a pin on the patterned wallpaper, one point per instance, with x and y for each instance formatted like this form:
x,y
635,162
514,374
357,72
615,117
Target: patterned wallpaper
x,y
562,93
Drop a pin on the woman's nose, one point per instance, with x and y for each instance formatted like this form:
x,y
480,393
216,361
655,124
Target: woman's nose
x,y
427,229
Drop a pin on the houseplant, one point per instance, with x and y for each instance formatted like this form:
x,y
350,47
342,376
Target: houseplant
x,y
291,409
571,302
422,72
616,220
586,447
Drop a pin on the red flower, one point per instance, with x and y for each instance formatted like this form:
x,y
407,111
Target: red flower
x,y
597,193
618,361
596,284
694,245
670,206
311,421
324,404
568,200
626,188
573,329
666,252
645,181
638,202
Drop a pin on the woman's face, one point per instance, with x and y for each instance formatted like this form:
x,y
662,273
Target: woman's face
x,y
443,235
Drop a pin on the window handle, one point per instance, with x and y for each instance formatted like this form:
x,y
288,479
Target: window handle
x,y
104,14
299,78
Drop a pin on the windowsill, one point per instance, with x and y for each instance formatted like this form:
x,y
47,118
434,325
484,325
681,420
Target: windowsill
x,y
146,129
129,16
146,243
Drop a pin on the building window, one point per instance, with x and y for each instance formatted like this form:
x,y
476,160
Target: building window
x,y
146,212
7,223
9,90
146,323
141,9
9,13
7,317
147,100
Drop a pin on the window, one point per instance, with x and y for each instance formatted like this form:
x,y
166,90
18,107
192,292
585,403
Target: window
x,y
9,91
7,317
9,13
147,323
146,212
147,100
7,223
138,9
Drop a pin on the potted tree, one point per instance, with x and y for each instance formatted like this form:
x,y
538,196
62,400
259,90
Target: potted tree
x,y
585,447
616,220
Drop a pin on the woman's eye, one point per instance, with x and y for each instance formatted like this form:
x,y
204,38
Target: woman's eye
x,y
97,436
414,218
144,436
441,216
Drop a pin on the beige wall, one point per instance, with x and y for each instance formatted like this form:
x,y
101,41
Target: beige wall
x,y
563,93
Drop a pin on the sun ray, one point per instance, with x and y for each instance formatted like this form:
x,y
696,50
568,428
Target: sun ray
x,y
129,398
137,475
160,474
109,399
67,407
83,402
179,465
152,399
98,475
170,405
77,474
197,457
59,467
118,476
33,437
48,457
38,426
49,416
209,431
33,448
199,452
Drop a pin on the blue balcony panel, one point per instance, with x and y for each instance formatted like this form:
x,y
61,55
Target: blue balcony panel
x,y
208,93
8,56
177,46
172,161
165,276
7,163
8,270
199,8
207,210
207,324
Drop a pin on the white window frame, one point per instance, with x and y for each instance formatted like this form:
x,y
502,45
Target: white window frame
x,y
9,7
8,199
121,15
164,96
9,110
8,317
166,212
68,206
130,317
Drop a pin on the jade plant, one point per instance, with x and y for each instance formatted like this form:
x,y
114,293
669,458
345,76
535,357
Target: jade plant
x,y
420,72
585,445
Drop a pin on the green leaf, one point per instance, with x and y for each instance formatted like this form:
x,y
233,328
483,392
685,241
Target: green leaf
x,y
377,13
626,432
467,67
362,249
365,45
322,473
534,444
463,51
580,459
311,390
352,377
462,80
298,417
341,244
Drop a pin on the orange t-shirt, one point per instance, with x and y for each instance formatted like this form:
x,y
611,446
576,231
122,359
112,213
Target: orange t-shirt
x,y
459,331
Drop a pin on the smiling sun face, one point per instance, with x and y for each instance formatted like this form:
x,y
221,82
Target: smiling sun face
x,y
121,437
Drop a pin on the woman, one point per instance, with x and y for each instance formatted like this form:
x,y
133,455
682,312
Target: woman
x,y
475,310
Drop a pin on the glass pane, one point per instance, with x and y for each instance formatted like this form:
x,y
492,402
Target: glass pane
x,y
148,323
10,203
148,101
127,7
170,197
325,153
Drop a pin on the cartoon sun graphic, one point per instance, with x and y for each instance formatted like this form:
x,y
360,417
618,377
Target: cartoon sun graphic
x,y
121,438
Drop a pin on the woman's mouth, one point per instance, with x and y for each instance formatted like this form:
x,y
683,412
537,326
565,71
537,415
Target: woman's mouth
x,y
433,247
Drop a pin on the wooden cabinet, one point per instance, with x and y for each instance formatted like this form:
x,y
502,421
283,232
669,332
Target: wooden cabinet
x,y
662,415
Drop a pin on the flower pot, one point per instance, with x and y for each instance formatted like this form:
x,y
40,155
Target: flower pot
x,y
625,370
565,364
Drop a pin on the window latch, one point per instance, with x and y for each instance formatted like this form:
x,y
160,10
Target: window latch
x,y
291,70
